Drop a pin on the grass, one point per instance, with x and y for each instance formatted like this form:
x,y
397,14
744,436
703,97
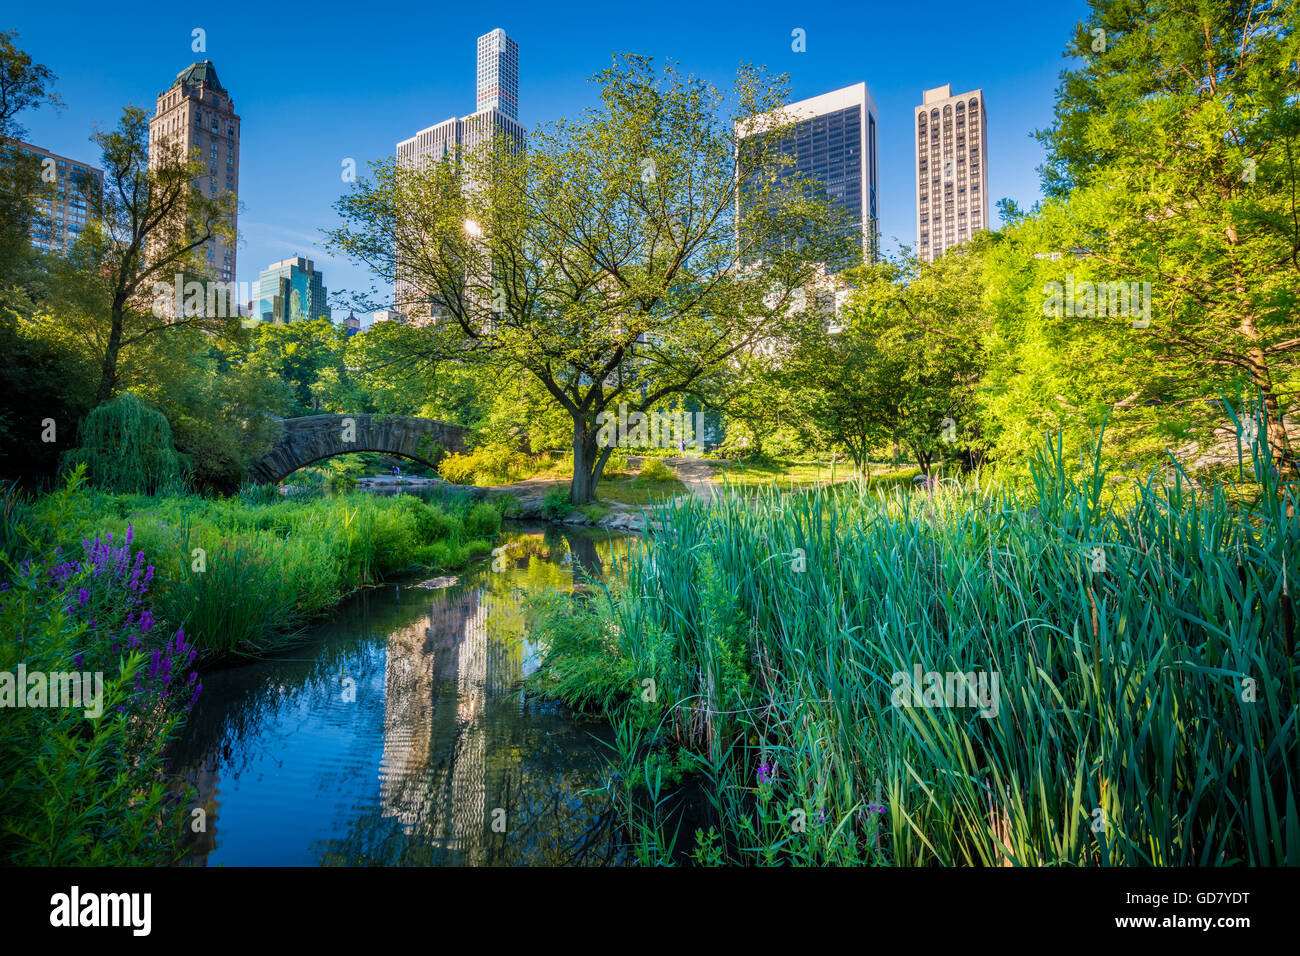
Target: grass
x,y
1146,698
758,473
242,575
638,491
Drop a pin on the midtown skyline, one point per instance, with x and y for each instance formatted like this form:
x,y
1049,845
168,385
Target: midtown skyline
x,y
358,111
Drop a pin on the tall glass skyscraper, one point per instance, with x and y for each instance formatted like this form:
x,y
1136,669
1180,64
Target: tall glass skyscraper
x,y
498,73
289,290
832,139
497,115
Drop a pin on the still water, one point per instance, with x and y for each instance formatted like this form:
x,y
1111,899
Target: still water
x,y
401,732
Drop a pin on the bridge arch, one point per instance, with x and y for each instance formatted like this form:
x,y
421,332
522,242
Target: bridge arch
x,y
304,441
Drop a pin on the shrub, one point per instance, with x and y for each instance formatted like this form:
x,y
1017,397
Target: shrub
x,y
431,524
555,504
582,663
126,446
483,521
653,469
488,464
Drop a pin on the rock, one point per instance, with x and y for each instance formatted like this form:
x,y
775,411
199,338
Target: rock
x,y
434,584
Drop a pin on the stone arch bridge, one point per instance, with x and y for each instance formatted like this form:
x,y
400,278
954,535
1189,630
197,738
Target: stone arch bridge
x,y
304,441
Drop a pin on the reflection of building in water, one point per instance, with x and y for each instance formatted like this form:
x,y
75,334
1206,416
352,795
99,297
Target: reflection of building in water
x,y
441,775
206,782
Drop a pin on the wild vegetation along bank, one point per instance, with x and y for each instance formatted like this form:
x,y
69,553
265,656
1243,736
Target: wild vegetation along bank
x,y
1079,675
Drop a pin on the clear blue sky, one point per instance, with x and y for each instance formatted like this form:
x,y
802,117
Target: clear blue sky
x,y
315,83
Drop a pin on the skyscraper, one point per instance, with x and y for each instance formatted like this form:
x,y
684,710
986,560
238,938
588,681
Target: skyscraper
x,y
952,174
498,73
197,113
833,141
61,217
498,105
290,289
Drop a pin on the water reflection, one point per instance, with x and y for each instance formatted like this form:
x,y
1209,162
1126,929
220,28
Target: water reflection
x,y
401,734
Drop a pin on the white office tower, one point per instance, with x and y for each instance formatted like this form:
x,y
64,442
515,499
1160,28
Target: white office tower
x,y
498,73
497,115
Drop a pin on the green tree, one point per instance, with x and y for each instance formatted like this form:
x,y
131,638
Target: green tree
x,y
126,446
755,394
909,359
145,227
603,261
1173,159
307,356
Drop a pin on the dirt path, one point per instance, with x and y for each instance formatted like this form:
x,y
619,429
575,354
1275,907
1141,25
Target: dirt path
x,y
696,474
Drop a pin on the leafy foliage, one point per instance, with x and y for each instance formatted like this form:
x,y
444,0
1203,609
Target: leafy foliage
x,y
1153,691
126,447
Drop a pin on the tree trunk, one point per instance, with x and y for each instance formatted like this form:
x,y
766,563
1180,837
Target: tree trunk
x,y
108,372
1277,443
923,460
586,460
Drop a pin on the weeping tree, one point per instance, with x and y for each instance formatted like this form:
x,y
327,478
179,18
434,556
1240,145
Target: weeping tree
x,y
622,258
126,446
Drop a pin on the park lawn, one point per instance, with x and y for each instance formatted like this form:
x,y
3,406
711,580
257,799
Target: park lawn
x,y
786,474
631,490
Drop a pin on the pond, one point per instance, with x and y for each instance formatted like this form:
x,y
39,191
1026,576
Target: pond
x,y
401,731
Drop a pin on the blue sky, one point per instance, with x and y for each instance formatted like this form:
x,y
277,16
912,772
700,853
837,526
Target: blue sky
x,y
317,83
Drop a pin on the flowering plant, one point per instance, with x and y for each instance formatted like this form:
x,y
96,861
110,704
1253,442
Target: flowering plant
x,y
106,592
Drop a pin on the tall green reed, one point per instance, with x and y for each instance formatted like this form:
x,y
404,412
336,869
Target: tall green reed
x,y
1144,656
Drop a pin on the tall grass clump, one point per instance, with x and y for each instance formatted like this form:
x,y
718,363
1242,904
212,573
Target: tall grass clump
x,y
126,446
244,575
1144,657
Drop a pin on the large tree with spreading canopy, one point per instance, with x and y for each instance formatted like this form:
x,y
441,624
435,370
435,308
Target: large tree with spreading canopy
x,y
620,258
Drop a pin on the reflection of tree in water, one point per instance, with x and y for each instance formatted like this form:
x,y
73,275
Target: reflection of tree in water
x,y
586,557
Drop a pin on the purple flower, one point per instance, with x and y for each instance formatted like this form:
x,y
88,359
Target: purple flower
x,y
766,772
